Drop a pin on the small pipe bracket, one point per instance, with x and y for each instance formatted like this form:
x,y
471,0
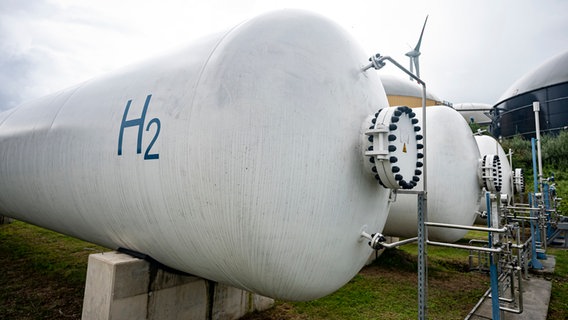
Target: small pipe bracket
x,y
376,62
376,240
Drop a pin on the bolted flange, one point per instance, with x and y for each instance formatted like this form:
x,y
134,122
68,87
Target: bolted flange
x,y
490,173
392,148
519,180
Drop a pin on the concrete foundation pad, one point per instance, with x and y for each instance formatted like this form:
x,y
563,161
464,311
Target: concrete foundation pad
x,y
548,265
120,286
536,297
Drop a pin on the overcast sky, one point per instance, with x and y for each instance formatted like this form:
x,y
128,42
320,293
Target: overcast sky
x,y
472,50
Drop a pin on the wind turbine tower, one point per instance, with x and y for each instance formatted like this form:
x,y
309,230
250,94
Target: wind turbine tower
x,y
415,53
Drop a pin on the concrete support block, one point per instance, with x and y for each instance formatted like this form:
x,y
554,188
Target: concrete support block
x,y
5,220
175,296
232,303
120,286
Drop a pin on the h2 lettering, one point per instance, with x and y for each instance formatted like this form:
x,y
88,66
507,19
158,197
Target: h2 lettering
x,y
139,122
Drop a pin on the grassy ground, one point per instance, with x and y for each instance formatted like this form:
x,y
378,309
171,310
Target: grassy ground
x,y
42,276
558,308
42,273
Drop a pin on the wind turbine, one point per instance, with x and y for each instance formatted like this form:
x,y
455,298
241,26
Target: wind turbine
x,y
414,54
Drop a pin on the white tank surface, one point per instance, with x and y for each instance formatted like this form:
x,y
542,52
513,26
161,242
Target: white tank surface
x,y
238,159
488,145
452,160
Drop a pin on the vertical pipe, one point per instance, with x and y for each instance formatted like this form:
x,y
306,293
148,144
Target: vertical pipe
x,y
536,109
535,231
496,313
535,171
512,200
535,264
424,150
520,271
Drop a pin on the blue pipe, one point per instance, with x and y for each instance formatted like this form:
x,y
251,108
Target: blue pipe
x,y
535,233
496,314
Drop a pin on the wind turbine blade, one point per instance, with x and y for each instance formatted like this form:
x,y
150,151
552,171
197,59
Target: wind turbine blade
x,y
417,48
417,67
411,65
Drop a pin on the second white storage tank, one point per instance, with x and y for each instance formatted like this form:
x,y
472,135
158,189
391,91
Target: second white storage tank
x,y
453,181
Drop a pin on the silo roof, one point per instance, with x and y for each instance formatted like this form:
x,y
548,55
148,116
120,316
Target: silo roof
x,y
551,72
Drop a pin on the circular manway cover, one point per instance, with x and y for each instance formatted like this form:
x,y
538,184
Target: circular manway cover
x,y
519,179
490,173
394,152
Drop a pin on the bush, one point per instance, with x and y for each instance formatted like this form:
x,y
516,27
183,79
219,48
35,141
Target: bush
x,y
554,160
522,152
555,150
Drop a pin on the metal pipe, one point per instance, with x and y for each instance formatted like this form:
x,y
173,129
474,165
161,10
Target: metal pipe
x,y
479,253
457,226
389,245
512,200
424,150
488,294
479,303
520,276
536,109
502,277
399,243
377,62
535,264
402,191
511,300
461,246
521,208
521,204
477,241
519,218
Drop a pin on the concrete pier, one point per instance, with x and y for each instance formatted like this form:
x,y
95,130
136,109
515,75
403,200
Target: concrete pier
x,y
120,286
5,220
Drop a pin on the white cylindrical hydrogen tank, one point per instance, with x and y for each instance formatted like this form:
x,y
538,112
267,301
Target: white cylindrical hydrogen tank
x,y
452,161
238,159
488,145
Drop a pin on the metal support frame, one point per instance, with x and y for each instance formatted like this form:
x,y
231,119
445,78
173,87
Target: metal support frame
x,y
495,312
422,257
505,266
377,62
534,263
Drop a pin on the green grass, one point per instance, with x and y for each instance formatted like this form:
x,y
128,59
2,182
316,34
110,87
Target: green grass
x,y
42,276
48,253
558,308
42,273
387,289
